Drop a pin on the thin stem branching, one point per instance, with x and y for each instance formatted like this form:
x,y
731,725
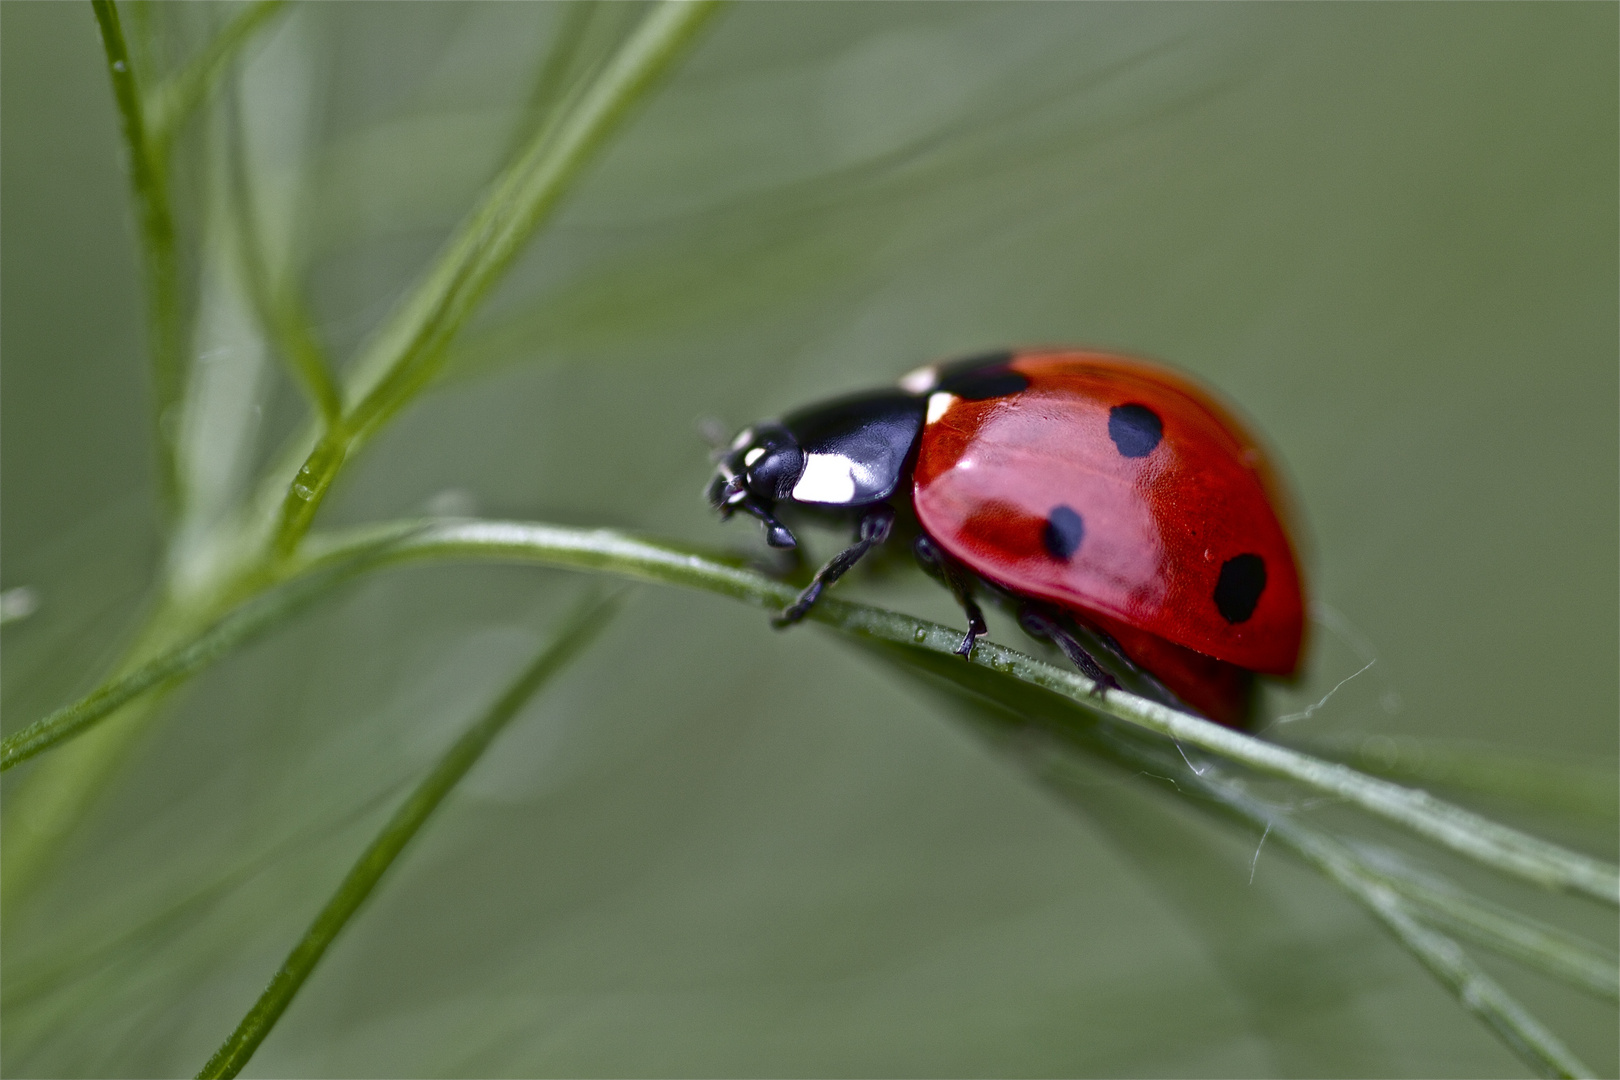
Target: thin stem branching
x,y
411,346
335,558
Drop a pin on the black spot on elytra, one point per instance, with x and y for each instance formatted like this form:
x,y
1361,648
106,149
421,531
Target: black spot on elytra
x,y
1135,429
981,377
1242,580
1063,532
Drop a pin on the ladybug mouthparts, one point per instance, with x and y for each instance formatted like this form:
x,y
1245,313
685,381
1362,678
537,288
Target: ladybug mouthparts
x,y
750,476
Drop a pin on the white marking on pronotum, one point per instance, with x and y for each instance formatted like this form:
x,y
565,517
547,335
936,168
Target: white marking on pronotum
x,y
744,437
827,478
753,455
937,404
1310,712
920,381
1256,860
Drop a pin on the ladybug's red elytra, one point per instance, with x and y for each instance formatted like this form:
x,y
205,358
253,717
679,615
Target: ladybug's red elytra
x,y
1124,510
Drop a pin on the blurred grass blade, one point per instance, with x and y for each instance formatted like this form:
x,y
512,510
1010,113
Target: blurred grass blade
x,y
558,70
280,312
173,100
1565,787
412,344
1068,729
1476,991
333,558
236,627
1555,952
518,203
577,631
1506,849
148,178
134,943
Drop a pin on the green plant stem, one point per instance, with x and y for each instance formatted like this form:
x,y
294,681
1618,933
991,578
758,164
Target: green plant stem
x,y
148,176
1567,787
56,794
1475,990
1502,848
327,560
412,344
575,633
240,624
1555,952
556,72
1485,841
1010,712
172,101
30,986
286,324
1469,984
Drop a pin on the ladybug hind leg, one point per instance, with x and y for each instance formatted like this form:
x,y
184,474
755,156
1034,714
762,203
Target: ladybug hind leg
x,y
872,529
1040,623
960,583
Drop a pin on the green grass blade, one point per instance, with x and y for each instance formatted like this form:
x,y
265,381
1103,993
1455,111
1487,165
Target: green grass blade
x,y
1009,674
412,345
280,311
520,200
575,633
1498,846
1505,849
1553,951
999,707
46,803
1476,991
172,101
558,70
239,625
1579,790
1428,896
148,178
133,944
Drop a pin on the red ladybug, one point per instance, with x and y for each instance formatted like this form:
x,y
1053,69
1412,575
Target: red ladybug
x,y
1125,510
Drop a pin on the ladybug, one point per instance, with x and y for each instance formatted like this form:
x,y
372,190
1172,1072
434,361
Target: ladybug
x,y
1131,518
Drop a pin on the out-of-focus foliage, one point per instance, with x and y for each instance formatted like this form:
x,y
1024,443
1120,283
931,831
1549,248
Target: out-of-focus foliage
x,y
1387,232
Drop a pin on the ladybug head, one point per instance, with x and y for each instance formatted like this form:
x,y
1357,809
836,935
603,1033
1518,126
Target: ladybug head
x,y
760,469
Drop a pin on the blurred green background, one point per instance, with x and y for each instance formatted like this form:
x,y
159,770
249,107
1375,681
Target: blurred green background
x,y
1388,232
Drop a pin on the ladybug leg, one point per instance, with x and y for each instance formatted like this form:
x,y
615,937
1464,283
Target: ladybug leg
x,y
871,531
939,565
1039,624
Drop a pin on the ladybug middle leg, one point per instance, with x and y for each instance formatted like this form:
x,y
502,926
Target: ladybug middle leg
x,y
957,579
872,529
1041,623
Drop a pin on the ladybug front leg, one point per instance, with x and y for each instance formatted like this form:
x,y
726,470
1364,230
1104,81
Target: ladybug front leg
x,y
872,530
1040,624
937,563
